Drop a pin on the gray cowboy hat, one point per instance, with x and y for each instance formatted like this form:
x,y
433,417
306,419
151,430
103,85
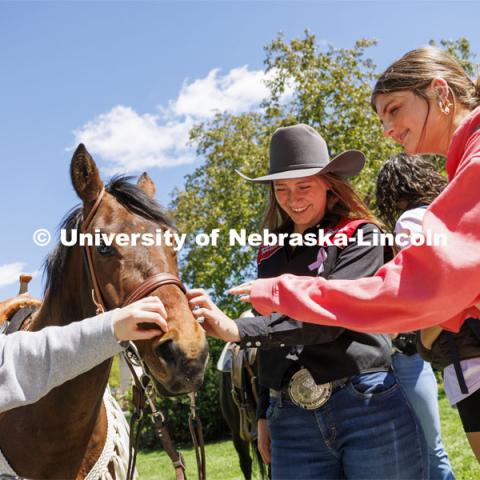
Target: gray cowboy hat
x,y
300,151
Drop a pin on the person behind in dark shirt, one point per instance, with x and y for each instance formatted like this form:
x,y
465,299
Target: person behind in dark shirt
x,y
330,406
406,185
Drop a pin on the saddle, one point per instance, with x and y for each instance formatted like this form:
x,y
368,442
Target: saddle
x,y
240,364
17,312
224,363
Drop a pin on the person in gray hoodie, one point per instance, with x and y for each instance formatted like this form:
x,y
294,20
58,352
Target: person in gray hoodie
x,y
33,363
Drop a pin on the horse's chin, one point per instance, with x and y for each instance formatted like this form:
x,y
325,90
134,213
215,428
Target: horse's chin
x,y
173,390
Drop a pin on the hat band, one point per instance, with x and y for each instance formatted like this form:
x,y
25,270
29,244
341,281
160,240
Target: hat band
x,y
298,166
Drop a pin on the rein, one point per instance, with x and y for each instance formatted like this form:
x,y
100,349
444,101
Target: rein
x,y
143,390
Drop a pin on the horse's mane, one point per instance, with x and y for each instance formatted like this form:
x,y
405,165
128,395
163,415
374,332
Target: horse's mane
x,y
127,194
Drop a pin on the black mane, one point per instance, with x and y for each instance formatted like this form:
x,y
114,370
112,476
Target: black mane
x,y
127,194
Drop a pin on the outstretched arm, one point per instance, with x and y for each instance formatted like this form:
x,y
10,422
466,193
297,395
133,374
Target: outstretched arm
x,y
33,363
421,287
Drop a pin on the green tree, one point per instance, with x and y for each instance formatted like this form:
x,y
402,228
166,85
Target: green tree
x,y
462,51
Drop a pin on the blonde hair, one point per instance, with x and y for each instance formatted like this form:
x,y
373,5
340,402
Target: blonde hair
x,y
416,70
343,203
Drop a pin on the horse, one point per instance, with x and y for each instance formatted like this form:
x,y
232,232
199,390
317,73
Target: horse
x,y
238,398
63,434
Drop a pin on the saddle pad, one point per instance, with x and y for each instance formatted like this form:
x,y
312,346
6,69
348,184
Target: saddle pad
x,y
224,363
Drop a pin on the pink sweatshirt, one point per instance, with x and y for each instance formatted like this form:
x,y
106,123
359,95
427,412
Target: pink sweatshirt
x,y
422,286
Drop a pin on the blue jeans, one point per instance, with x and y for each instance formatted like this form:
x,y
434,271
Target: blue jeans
x,y
418,381
366,430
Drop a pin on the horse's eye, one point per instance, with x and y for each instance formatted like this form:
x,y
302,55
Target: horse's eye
x,y
106,250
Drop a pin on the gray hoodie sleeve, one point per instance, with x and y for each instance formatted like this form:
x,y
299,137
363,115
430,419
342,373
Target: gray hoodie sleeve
x,y
32,363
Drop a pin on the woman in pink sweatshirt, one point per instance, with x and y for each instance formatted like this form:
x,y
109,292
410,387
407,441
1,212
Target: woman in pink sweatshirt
x,y
427,103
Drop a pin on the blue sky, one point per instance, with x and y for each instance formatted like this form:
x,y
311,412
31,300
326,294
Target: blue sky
x,y
130,78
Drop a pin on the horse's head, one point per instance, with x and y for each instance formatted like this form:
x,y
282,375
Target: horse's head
x,y
177,359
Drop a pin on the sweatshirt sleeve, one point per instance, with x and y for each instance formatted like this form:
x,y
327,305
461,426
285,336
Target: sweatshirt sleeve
x,y
33,363
421,287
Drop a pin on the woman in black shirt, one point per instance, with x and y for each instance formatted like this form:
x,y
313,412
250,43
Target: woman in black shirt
x,y
333,408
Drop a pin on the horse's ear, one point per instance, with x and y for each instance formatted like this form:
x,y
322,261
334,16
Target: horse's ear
x,y
85,175
146,184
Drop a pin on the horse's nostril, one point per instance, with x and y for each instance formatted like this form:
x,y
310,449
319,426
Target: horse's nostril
x,y
167,352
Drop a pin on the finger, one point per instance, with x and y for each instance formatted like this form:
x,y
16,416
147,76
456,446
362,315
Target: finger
x,y
200,312
151,317
244,287
152,303
195,292
239,290
210,331
147,334
245,299
201,300
150,298
152,306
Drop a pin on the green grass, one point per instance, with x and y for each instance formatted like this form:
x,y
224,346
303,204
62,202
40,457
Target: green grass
x,y
222,462
464,463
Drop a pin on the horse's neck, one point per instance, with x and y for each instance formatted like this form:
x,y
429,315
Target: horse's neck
x,y
82,395
67,419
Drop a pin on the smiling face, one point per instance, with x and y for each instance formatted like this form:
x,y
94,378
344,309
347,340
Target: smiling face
x,y
413,122
303,199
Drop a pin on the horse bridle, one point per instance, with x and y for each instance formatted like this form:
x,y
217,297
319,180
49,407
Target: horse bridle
x,y
142,393
142,290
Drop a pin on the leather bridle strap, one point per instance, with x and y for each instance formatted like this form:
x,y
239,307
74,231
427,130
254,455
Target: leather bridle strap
x,y
196,432
142,395
151,284
96,292
145,288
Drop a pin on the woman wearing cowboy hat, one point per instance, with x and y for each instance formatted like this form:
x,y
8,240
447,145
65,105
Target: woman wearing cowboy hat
x,y
331,404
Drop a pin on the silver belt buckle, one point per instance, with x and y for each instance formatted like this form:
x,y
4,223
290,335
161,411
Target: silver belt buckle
x,y
305,393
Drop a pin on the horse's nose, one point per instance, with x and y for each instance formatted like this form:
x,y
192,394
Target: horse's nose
x,y
168,351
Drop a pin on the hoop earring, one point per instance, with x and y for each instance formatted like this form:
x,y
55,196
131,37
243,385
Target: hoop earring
x,y
445,108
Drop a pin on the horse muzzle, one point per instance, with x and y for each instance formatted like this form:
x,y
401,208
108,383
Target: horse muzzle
x,y
181,373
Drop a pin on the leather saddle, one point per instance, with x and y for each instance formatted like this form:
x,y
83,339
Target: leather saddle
x,y
225,362
17,312
240,363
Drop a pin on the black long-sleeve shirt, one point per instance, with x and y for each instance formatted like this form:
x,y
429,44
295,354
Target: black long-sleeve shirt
x,y
329,353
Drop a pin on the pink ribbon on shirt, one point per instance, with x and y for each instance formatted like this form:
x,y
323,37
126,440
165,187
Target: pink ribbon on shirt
x,y
318,263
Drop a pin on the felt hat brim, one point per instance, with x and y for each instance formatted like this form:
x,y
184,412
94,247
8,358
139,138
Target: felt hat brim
x,y
346,164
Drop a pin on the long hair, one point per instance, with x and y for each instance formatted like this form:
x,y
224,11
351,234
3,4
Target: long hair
x,y
343,203
416,70
405,182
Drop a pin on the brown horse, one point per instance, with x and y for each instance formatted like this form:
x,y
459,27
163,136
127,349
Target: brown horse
x,y
62,435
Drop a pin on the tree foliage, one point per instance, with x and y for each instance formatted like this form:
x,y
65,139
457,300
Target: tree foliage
x,y
461,50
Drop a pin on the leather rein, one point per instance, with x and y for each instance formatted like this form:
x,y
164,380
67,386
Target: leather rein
x,y
144,388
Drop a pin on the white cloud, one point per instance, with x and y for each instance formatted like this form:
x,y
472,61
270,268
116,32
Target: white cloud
x,y
237,91
10,272
128,141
